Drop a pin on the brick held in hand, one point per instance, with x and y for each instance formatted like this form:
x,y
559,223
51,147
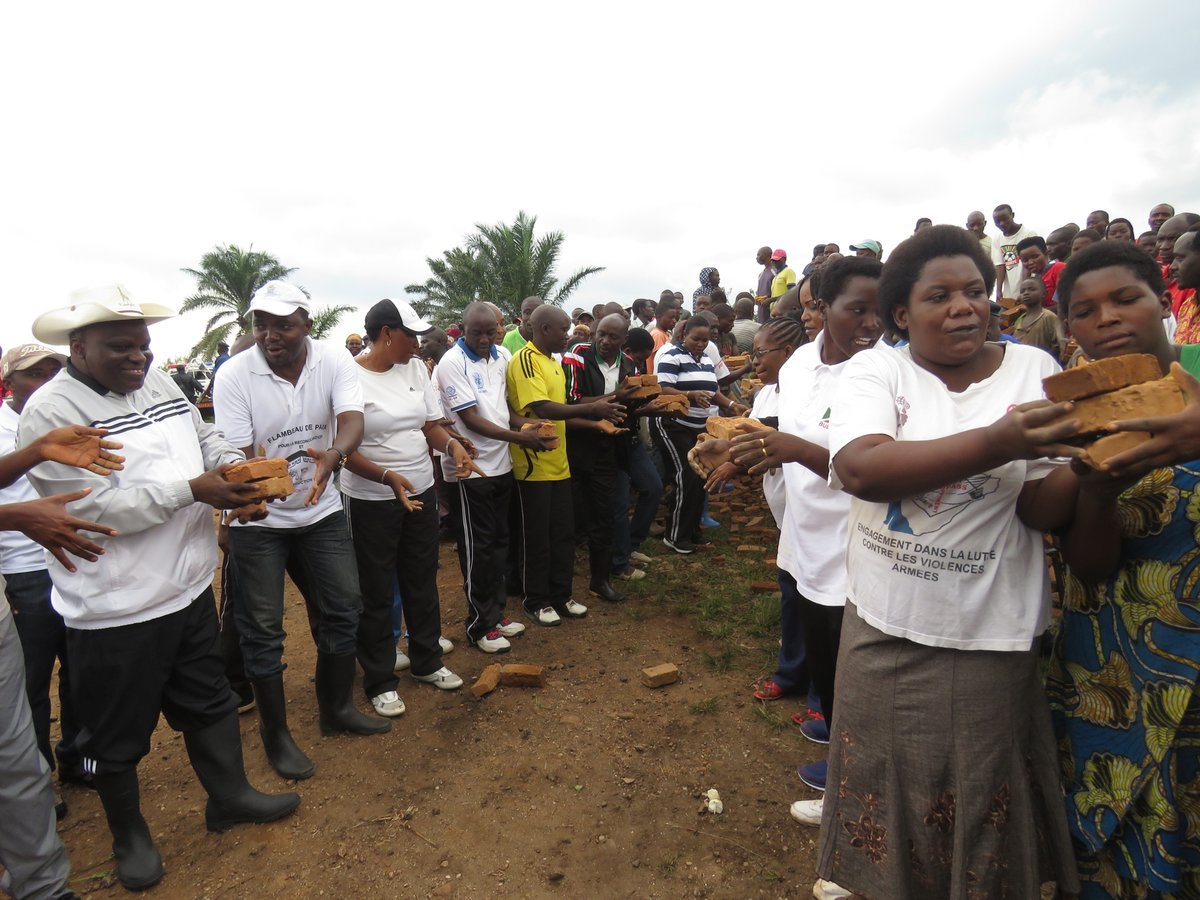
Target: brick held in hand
x,y
1161,397
256,469
272,488
736,362
729,427
1102,376
1099,452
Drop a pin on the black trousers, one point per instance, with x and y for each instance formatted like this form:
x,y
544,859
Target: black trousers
x,y
687,504
43,636
123,677
394,545
481,508
822,635
593,494
547,542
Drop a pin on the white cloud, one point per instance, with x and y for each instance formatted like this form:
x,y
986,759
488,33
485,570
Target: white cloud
x,y
354,141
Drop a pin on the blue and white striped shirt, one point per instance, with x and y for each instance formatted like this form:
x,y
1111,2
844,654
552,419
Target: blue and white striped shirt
x,y
677,368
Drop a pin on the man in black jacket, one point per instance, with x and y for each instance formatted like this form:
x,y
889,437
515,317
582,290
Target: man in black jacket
x,y
595,449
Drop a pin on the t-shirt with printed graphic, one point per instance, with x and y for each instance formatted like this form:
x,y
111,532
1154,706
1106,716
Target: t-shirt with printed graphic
x,y
812,539
468,381
534,376
258,409
396,406
953,567
1004,253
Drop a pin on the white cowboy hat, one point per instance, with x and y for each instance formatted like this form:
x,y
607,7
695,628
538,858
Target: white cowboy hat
x,y
94,305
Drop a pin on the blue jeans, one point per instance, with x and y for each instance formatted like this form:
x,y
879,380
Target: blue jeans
x,y
643,477
792,672
325,554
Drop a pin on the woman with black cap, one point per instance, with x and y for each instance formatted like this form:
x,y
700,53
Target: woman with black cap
x,y
395,536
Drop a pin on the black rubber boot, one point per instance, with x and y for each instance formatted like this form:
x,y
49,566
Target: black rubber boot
x,y
139,865
216,755
285,757
605,591
335,688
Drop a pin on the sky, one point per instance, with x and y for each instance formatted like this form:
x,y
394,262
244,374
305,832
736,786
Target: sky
x,y
354,140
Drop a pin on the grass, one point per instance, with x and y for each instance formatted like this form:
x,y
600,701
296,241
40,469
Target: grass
x,y
773,719
720,662
669,864
703,707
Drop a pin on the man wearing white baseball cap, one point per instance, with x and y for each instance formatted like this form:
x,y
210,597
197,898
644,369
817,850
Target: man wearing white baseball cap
x,y
293,398
141,622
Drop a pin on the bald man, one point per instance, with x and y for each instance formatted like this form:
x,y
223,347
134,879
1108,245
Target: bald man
x,y
537,391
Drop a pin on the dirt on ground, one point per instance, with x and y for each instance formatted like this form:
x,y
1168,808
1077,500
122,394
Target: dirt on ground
x,y
590,786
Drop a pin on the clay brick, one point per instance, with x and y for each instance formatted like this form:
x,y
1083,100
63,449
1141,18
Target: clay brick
x,y
750,548
1102,376
764,587
254,469
488,680
522,675
1109,446
657,676
730,427
1162,397
268,488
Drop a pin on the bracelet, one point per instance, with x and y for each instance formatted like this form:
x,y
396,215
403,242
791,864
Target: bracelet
x,y
383,477
446,451
342,457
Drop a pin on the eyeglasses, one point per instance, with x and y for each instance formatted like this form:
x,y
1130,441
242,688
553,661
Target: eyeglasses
x,y
756,355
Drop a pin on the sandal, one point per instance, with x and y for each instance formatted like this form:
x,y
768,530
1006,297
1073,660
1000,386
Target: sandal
x,y
769,690
800,718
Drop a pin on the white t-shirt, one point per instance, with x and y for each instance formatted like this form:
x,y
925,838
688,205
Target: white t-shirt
x,y
396,406
812,540
256,408
466,380
766,406
1004,253
953,567
17,552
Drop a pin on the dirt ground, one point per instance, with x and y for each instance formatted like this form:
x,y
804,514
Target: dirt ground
x,y
589,786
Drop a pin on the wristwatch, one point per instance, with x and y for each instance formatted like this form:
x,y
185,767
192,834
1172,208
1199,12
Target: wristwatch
x,y
342,457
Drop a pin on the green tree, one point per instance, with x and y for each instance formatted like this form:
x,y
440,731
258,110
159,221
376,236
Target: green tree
x,y
325,320
226,280
502,263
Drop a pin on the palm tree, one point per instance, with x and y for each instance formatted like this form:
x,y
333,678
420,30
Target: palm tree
x,y
226,280
325,320
502,263
457,280
517,264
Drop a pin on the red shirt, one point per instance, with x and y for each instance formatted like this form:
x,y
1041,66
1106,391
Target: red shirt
x,y
1050,280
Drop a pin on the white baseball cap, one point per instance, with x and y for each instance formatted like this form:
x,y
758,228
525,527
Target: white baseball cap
x,y
279,298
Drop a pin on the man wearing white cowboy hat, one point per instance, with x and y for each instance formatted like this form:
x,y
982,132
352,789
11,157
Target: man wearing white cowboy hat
x,y
293,398
141,623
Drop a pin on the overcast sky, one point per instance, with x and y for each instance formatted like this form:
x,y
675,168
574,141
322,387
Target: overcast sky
x,y
354,140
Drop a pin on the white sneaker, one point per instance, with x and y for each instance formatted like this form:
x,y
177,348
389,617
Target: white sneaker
x,y
546,616
443,679
632,574
388,704
638,556
827,890
808,812
509,628
575,610
446,645
402,661
493,642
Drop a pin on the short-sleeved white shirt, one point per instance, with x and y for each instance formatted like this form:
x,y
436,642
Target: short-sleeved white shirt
x,y
466,380
953,567
812,539
396,405
17,552
256,408
766,406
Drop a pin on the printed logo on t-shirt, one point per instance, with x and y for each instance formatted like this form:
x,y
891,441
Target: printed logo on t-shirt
x,y
902,407
450,391
478,381
934,510
824,423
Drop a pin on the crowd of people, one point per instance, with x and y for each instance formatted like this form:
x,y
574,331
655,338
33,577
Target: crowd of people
x,y
910,461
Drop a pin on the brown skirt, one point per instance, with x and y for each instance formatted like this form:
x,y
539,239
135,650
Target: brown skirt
x,y
943,778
